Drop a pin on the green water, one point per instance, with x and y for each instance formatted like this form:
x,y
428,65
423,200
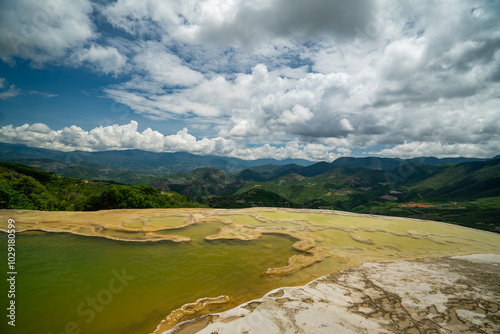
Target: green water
x,y
59,275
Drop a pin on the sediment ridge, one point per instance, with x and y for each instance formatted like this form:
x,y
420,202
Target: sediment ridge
x,y
439,295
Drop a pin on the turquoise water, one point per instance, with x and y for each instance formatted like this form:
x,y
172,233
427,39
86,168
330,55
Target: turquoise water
x,y
67,283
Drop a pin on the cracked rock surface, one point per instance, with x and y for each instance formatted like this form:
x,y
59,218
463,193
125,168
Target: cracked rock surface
x,y
440,295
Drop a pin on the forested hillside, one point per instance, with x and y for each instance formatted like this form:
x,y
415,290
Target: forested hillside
x,y
24,187
465,193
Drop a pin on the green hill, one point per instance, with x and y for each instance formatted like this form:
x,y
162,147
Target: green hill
x,y
25,187
253,198
469,181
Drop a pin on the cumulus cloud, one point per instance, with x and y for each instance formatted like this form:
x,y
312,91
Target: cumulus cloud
x,y
117,137
299,115
39,128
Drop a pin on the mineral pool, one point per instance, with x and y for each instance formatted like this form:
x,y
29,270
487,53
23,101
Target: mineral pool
x,y
124,271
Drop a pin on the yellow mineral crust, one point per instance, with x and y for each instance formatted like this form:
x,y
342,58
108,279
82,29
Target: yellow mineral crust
x,y
120,225
356,237
298,262
234,231
187,309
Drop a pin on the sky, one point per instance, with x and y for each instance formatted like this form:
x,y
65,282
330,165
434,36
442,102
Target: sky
x,y
315,79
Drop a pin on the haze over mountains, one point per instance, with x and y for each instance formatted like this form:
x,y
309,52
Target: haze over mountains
x,y
186,162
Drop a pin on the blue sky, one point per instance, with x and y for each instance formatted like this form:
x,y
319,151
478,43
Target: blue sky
x,y
67,96
251,79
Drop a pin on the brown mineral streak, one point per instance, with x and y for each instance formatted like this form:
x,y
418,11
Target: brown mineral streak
x,y
187,309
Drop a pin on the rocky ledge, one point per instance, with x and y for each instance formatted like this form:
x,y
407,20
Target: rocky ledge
x,y
443,295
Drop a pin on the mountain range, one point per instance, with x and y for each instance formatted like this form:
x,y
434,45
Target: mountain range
x,y
137,159
456,190
140,160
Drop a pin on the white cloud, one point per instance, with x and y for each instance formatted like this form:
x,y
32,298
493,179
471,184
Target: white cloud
x,y
248,24
299,115
11,92
116,137
146,17
127,136
238,23
106,59
420,149
165,68
43,31
38,128
254,104
346,125
43,94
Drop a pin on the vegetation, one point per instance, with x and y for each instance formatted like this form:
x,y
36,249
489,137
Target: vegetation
x,y
24,187
466,193
252,198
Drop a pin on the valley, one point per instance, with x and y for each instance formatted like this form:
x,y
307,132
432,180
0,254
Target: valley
x,y
462,191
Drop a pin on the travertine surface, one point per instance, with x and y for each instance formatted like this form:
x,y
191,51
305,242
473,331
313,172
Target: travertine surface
x,y
448,295
325,241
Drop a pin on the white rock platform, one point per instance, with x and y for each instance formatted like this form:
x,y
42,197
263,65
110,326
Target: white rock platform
x,y
440,295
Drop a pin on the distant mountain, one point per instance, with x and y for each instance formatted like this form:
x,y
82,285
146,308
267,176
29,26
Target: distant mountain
x,y
470,179
14,151
436,161
272,171
377,163
369,163
139,159
250,175
93,164
417,165
199,183
316,169
347,187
